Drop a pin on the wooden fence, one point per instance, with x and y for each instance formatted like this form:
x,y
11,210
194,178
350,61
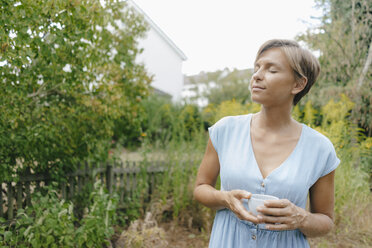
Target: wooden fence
x,y
121,178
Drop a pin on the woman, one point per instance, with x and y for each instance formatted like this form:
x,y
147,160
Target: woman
x,y
270,153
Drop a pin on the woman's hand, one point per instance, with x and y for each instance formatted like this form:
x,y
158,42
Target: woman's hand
x,y
233,201
281,215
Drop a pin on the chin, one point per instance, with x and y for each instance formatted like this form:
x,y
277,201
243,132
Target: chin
x,y
263,102
256,99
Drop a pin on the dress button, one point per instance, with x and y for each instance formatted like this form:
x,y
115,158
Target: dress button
x,y
263,185
254,237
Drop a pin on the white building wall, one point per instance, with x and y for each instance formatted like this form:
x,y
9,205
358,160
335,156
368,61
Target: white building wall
x,y
163,63
161,57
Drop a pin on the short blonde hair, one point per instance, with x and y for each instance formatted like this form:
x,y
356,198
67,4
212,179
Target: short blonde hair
x,y
302,61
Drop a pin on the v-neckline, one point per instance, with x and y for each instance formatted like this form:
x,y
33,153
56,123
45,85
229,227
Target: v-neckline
x,y
281,164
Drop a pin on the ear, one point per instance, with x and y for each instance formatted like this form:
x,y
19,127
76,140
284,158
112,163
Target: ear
x,y
299,85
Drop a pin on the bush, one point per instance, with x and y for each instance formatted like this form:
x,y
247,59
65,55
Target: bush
x,y
50,222
212,114
96,226
165,121
68,72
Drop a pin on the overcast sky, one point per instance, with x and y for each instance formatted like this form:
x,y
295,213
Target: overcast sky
x,y
215,34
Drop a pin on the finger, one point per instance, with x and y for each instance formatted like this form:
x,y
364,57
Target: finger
x,y
242,210
272,211
278,227
272,219
277,203
243,214
250,217
240,194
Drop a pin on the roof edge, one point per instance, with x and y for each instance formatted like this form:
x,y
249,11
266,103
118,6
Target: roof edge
x,y
158,30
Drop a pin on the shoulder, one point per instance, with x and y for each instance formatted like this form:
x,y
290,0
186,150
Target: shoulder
x,y
321,149
316,138
228,129
231,121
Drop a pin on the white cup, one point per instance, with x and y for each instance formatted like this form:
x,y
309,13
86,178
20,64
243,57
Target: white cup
x,y
257,200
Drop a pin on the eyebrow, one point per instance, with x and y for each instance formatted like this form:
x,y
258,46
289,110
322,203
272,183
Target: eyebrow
x,y
268,64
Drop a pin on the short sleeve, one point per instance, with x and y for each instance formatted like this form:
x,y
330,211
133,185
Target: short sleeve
x,y
332,161
216,133
213,136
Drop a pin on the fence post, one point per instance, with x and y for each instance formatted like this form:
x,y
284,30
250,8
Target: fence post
x,y
87,179
71,188
63,189
134,174
27,188
114,179
1,200
109,178
102,174
122,185
79,177
10,201
19,196
127,178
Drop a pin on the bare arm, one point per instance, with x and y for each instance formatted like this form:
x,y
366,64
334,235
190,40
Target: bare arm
x,y
206,193
209,169
322,199
315,223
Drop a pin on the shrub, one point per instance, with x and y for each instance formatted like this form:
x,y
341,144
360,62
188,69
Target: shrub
x,y
68,72
227,108
50,222
165,121
96,226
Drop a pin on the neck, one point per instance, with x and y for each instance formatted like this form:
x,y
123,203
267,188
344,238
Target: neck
x,y
275,117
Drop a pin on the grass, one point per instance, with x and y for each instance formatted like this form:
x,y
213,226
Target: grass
x,y
172,202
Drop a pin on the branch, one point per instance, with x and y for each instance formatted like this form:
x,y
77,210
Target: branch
x,y
337,43
41,93
352,31
38,92
366,66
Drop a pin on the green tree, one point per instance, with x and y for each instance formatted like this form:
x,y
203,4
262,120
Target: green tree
x,y
222,85
68,72
344,41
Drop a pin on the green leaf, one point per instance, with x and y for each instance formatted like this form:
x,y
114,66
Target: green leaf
x,y
49,239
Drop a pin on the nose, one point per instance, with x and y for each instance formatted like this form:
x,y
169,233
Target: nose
x,y
258,75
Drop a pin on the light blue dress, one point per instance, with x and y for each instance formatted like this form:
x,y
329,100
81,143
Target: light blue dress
x,y
313,157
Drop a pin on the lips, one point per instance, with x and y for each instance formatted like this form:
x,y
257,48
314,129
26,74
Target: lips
x,y
257,87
